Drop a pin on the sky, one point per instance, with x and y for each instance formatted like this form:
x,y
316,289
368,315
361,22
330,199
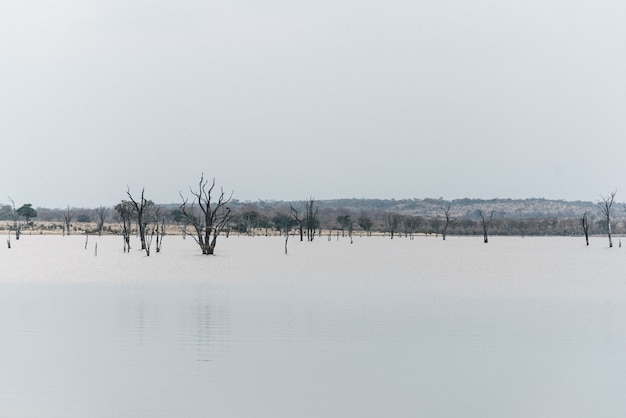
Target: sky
x,y
286,100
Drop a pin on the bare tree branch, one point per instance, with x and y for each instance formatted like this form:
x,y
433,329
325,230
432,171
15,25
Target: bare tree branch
x,y
209,218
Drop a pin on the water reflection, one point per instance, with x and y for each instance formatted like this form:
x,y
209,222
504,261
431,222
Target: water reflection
x,y
132,318
188,323
205,328
354,340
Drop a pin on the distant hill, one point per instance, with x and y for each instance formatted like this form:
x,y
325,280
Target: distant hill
x,y
504,208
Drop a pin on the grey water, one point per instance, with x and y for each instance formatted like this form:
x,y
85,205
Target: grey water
x,y
519,327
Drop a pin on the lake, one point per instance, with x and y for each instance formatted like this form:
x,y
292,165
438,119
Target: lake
x,y
519,327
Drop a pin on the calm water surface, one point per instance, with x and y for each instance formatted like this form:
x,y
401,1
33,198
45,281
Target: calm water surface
x,y
398,328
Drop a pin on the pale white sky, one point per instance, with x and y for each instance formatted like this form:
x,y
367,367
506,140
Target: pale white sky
x,y
332,99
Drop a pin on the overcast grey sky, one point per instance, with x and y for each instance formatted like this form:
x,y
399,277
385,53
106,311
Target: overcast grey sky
x,y
287,99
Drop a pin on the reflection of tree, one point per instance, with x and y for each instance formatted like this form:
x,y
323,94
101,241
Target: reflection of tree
x,y
207,330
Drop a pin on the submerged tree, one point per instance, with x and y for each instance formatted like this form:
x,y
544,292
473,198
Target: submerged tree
x,y
298,220
15,216
102,213
605,207
485,223
143,211
160,229
151,226
307,221
67,219
585,223
207,216
311,220
448,216
411,225
125,211
393,223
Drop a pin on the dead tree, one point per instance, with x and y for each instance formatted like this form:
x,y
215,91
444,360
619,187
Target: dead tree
x,y
411,225
67,219
101,212
160,229
585,223
15,216
448,216
151,227
393,223
485,223
150,232
299,221
208,218
350,231
125,211
141,208
605,207
311,219
286,238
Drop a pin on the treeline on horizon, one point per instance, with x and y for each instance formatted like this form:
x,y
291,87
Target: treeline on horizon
x,y
408,217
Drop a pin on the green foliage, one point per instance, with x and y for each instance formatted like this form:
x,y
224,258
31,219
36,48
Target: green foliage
x,y
125,209
83,218
365,223
6,212
344,221
283,222
177,215
27,212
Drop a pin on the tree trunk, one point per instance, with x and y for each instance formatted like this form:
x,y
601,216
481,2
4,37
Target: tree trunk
x,y
207,249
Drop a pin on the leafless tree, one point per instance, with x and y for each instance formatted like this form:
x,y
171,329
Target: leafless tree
x,y
160,229
142,212
485,223
286,239
448,216
585,223
299,220
605,207
393,223
411,225
308,221
208,218
151,230
101,211
152,227
311,219
15,216
125,211
67,219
